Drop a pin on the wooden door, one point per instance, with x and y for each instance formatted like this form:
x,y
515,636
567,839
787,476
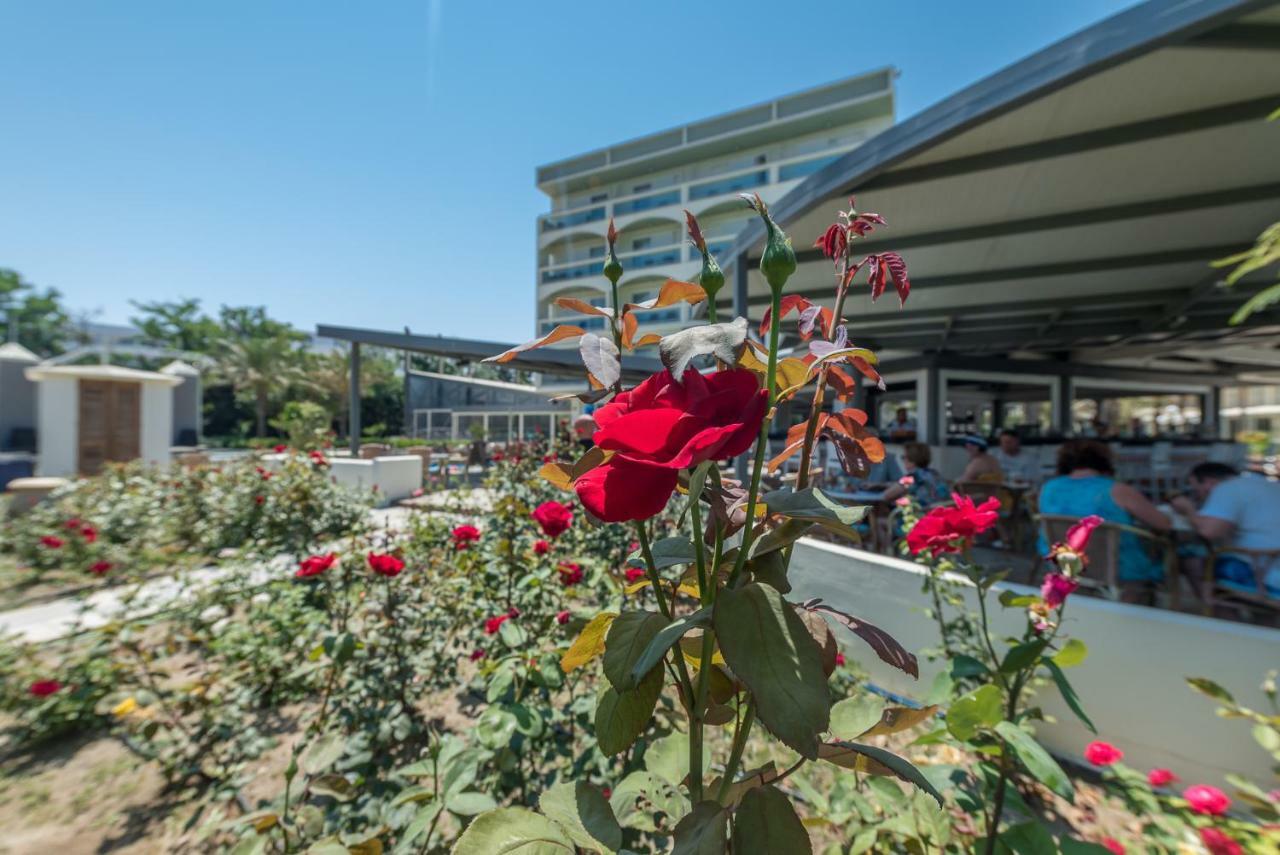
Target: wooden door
x,y
110,423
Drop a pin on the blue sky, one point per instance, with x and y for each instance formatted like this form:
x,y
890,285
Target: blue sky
x,y
373,163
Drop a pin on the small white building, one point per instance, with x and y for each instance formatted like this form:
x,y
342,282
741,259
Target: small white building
x,y
88,415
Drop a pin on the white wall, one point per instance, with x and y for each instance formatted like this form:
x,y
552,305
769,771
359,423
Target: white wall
x,y
157,423
58,428
1132,684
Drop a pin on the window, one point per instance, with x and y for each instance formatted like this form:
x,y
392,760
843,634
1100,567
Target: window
x,y
761,159
640,188
642,243
641,296
598,302
599,197
595,252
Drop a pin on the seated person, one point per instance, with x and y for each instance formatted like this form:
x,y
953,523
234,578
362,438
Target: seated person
x,y
981,466
1238,511
902,427
1086,485
881,474
1018,467
924,485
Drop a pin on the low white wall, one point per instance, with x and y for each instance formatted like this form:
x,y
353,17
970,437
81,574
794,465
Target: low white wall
x,y
395,477
1132,684
157,424
58,426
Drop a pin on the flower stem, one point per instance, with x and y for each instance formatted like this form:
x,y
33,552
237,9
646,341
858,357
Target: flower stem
x,y
762,441
739,744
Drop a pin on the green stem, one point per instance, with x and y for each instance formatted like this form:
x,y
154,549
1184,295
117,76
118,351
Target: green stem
x,y
762,442
735,754
652,570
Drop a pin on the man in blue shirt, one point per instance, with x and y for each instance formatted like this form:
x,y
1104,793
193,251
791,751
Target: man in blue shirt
x,y
1238,512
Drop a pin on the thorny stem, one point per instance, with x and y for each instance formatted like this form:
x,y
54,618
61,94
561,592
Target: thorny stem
x,y
761,443
739,744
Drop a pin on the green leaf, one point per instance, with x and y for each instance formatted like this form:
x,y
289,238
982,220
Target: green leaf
x,y
1207,687
495,727
513,635
1071,846
768,647
1022,656
668,552
662,641
623,716
668,757
1068,693
1028,838
1256,303
979,709
778,538
584,812
1072,654
854,716
469,803
770,569
702,831
812,505
940,690
765,823
1014,600
876,761
421,822
513,830
334,786
963,665
628,637
323,753
255,845
1036,760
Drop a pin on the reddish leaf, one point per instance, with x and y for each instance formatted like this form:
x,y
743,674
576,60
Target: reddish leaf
x,y
672,291
845,387
884,644
646,340
629,325
574,304
790,303
560,333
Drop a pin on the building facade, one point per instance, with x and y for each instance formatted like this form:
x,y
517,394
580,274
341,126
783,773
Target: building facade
x,y
645,184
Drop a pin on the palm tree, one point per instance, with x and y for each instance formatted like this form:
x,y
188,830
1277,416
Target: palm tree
x,y
260,366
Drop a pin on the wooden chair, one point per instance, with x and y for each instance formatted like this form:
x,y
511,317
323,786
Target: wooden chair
x,y
1013,514
1103,553
1215,593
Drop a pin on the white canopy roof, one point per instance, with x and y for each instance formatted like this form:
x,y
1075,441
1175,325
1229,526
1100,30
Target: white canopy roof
x,y
100,372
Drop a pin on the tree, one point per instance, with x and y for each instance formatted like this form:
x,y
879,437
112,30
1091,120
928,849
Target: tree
x,y
34,318
259,357
328,378
177,324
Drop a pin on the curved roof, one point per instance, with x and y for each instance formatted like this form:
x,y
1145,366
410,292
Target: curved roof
x,y
1073,201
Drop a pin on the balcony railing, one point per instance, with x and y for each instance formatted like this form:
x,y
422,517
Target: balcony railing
x,y
633,261
575,218
733,184
790,171
671,314
647,203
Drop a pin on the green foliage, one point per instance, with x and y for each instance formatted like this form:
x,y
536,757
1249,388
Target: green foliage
x,y
36,318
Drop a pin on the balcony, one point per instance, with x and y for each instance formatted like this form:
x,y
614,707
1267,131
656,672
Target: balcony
x,y
732,184
647,203
632,261
576,218
667,315
792,171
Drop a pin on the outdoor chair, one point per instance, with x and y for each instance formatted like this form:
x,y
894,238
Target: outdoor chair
x,y
1215,593
372,450
1102,573
1013,514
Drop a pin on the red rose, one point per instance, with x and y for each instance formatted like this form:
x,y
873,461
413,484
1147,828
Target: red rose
x,y
258,500
98,568
385,564
44,688
1219,842
1161,777
1102,753
74,523
661,427
608,793
52,541
839,659
634,574
562,617
477,654
951,528
1207,800
89,533
1078,535
541,547
570,573
493,624
278,449
464,535
315,565
1056,588
318,458
1113,845
554,518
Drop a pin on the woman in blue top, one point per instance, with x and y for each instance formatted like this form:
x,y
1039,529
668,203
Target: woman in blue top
x,y
1086,485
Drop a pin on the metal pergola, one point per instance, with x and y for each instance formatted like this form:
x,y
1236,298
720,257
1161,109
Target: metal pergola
x,y
1061,215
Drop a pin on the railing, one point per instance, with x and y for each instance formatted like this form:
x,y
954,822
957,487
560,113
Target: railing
x,y
646,203
591,323
733,184
576,218
805,167
632,261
